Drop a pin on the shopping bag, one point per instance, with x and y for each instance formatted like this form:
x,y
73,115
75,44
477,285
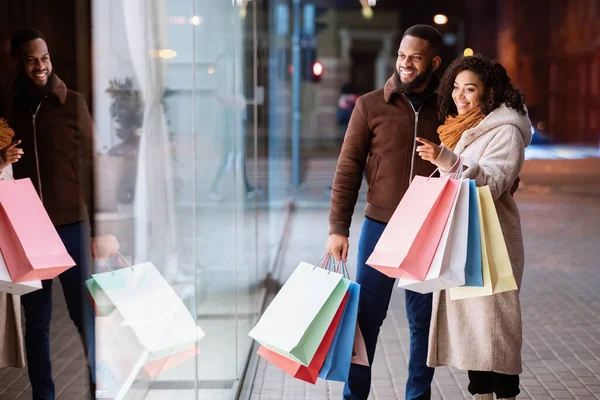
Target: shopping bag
x,y
295,322
148,304
337,363
501,271
156,367
359,352
311,373
100,301
448,265
29,242
473,268
410,239
8,286
497,272
119,356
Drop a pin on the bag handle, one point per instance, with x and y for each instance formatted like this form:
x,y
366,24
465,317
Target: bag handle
x,y
120,258
5,171
457,174
329,263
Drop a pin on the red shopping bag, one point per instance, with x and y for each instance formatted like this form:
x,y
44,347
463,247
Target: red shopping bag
x,y
157,367
410,240
311,373
29,242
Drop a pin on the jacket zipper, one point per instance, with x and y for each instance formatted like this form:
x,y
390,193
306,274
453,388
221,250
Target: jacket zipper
x,y
35,146
414,149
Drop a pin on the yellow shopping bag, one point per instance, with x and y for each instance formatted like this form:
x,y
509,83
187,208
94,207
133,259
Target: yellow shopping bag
x,y
495,262
501,271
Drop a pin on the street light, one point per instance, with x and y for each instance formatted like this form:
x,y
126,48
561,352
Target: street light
x,y
440,19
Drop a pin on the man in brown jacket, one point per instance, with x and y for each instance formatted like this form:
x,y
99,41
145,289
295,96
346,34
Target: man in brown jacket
x,y
381,140
55,131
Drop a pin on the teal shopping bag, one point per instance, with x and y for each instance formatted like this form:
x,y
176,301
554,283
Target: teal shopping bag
x,y
337,363
473,267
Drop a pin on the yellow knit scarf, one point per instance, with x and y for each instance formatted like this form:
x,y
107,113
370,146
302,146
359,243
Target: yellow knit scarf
x,y
454,126
6,133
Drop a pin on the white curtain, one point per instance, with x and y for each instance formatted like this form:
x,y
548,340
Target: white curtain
x,y
154,212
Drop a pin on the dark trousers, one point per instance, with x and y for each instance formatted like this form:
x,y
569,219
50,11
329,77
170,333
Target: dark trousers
x,y
38,313
486,382
375,293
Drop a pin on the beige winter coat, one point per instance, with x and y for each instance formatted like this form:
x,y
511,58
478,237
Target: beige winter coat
x,y
485,333
12,351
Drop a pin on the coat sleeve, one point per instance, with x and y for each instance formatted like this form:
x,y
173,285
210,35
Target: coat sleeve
x,y
349,171
499,166
86,156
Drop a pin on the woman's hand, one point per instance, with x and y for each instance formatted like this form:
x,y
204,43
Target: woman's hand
x,y
428,151
11,154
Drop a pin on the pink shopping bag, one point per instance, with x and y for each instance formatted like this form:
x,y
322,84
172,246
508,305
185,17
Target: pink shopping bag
x,y
29,242
411,238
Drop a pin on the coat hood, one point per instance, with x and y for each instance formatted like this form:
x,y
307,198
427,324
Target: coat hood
x,y
502,115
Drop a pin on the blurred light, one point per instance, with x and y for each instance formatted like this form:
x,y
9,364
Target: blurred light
x,y
176,20
290,69
372,3
440,19
468,52
449,39
211,70
164,53
243,12
541,125
196,20
317,68
367,12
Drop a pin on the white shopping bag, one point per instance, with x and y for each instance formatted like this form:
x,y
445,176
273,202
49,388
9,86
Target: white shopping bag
x,y
8,286
148,304
297,319
119,357
448,267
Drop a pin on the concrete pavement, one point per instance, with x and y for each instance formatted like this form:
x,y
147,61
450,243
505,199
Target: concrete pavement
x,y
560,298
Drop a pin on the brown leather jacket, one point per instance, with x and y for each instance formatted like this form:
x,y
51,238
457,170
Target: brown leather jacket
x,y
57,140
381,137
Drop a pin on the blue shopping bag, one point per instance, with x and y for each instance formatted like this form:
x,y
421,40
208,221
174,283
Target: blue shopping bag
x,y
473,268
337,363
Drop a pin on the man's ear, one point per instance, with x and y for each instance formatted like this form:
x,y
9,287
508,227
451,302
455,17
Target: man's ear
x,y
437,61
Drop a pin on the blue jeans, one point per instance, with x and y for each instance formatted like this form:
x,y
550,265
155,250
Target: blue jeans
x,y
375,293
38,312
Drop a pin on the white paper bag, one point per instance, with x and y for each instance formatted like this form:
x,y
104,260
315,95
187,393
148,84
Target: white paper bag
x,y
148,304
297,319
8,286
448,266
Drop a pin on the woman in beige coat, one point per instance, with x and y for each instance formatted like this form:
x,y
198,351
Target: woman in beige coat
x,y
486,124
12,353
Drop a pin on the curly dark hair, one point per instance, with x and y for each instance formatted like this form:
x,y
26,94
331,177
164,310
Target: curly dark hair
x,y
498,87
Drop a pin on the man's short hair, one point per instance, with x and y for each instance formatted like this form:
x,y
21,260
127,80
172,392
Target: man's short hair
x,y
22,36
428,33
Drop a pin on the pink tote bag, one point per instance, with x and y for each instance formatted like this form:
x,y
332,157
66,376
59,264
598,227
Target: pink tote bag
x,y
29,242
411,238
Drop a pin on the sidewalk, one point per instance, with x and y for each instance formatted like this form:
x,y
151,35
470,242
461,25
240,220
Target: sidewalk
x,y
69,366
560,302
